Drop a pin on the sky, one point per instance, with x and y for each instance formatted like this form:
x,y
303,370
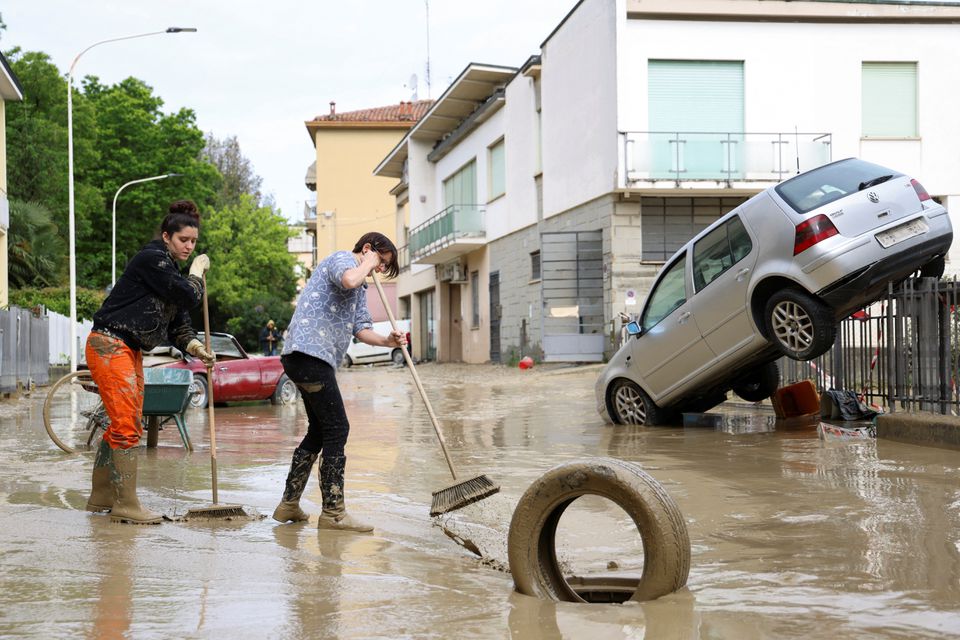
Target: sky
x,y
258,70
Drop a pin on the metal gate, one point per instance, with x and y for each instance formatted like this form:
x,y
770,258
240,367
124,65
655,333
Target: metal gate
x,y
572,292
495,313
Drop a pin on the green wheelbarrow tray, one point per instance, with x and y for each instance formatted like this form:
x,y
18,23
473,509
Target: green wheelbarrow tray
x,y
166,393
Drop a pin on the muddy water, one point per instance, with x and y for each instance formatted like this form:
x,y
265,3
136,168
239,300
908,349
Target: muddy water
x,y
792,536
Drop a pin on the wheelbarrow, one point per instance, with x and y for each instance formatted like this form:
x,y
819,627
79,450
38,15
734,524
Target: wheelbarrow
x,y
166,394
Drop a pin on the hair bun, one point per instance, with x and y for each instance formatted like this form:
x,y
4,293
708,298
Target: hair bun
x,y
185,207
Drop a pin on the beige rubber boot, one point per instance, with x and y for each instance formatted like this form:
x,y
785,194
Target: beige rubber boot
x,y
300,466
335,514
101,496
126,505
290,511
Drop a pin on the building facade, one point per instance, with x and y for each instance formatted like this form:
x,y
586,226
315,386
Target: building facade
x,y
543,199
350,200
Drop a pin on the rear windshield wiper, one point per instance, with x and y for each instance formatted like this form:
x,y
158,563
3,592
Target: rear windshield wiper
x,y
875,181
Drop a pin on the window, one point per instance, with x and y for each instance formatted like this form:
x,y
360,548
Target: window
x,y
667,295
719,250
889,99
825,184
535,265
498,172
475,298
461,187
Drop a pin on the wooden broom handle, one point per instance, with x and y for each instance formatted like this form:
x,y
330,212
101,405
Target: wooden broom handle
x,y
210,413
416,378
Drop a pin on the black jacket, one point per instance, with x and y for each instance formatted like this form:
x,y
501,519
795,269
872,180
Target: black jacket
x,y
150,302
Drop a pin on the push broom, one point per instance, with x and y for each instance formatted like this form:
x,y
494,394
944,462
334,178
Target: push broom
x,y
462,492
214,511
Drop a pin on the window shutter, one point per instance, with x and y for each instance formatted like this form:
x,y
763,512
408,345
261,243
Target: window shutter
x,y
889,99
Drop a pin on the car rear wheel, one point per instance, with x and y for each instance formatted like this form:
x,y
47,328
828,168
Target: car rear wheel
x,y
397,357
759,384
934,268
198,392
286,391
799,324
631,405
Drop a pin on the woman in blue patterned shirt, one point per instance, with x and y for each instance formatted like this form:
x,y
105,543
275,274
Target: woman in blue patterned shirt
x,y
332,309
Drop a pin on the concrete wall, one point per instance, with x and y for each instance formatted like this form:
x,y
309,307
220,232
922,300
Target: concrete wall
x,y
579,98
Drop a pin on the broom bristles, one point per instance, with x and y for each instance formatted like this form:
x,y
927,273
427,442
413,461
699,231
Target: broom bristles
x,y
461,494
217,511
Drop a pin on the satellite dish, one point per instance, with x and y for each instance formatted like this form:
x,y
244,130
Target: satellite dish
x,y
412,85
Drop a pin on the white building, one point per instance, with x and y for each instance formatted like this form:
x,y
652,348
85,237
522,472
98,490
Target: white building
x,y
543,199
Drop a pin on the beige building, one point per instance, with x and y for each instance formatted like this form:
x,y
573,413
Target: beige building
x,y
351,200
10,90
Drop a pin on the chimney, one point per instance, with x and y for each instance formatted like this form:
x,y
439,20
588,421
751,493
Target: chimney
x,y
333,108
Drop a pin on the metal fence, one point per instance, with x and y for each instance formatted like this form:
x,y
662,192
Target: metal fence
x,y
901,353
24,352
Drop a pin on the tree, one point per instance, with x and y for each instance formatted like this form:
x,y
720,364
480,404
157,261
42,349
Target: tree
x,y
35,246
250,267
238,176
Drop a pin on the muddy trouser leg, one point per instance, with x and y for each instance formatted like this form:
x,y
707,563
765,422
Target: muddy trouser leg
x,y
118,371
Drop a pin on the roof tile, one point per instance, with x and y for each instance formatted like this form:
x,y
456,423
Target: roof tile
x,y
402,112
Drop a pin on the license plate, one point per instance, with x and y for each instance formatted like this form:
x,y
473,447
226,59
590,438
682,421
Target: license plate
x,y
891,237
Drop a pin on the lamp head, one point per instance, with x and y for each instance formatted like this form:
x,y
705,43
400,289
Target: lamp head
x,y
181,30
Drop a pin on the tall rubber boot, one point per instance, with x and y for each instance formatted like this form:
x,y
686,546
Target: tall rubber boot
x,y
300,467
126,505
335,514
101,496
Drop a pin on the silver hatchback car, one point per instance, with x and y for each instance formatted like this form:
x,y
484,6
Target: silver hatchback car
x,y
772,277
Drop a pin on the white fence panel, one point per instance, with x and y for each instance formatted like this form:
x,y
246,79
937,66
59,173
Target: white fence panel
x,y
60,338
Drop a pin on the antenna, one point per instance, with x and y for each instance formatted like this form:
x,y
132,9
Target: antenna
x,y
427,3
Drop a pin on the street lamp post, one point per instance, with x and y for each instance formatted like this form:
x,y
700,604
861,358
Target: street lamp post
x,y
71,214
113,240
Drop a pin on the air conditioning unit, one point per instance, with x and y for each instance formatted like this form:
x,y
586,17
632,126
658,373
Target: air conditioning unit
x,y
453,272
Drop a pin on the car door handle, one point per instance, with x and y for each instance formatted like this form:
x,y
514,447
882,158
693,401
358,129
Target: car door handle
x,y
222,368
683,317
741,274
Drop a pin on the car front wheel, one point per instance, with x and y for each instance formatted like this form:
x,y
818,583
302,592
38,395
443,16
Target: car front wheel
x,y
799,324
198,392
631,405
286,391
397,357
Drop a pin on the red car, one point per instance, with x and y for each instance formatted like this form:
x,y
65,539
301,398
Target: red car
x,y
236,375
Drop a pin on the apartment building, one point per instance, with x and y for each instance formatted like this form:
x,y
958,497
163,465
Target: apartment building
x,y
10,90
543,198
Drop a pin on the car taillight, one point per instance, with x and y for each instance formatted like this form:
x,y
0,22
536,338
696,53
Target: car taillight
x,y
812,231
921,192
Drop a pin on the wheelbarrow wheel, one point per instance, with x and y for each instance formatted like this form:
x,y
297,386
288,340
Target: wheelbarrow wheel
x,y
73,414
198,392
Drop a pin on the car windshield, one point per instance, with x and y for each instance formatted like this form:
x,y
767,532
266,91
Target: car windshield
x,y
223,346
832,182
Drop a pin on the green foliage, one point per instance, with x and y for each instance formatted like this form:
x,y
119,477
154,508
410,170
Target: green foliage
x,y
253,317
250,267
238,176
35,246
58,299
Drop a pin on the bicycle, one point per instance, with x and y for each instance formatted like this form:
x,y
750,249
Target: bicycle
x,y
75,418
73,414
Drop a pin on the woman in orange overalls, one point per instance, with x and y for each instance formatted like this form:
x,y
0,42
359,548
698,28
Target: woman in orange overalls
x,y
149,305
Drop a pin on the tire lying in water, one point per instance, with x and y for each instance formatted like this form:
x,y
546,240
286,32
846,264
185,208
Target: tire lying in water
x,y
533,528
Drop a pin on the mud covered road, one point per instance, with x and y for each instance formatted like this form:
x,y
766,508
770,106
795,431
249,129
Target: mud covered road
x,y
792,537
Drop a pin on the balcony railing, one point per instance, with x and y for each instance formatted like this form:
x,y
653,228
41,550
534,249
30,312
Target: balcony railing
x,y
403,258
721,156
456,230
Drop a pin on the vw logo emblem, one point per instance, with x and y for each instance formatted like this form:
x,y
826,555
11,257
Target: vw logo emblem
x,y
873,197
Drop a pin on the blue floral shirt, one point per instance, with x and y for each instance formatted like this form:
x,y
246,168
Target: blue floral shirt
x,y
327,314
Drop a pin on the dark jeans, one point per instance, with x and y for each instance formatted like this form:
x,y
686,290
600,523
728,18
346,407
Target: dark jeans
x,y
327,424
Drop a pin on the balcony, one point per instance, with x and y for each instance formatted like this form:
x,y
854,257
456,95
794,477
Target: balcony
x,y
403,258
650,157
455,231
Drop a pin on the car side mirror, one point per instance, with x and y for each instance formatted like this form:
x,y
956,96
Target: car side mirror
x,y
633,328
